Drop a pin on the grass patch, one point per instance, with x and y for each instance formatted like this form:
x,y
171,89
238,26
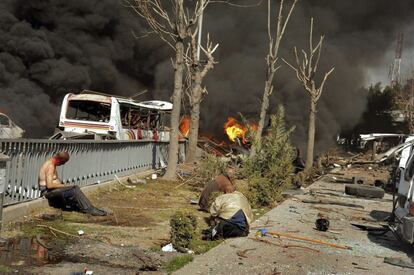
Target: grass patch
x,y
178,262
31,229
5,269
200,246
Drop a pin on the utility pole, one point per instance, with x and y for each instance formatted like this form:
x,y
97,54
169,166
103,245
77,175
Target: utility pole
x,y
396,67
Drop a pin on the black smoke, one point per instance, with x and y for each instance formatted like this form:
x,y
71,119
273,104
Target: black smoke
x,y
50,47
357,35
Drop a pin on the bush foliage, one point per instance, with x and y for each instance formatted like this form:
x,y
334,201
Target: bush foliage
x,y
269,168
210,167
183,229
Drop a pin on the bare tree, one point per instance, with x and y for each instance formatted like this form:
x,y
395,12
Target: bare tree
x,y
197,70
305,69
174,23
271,61
171,27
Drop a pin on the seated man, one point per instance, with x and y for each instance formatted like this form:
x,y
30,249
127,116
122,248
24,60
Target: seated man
x,y
65,197
232,214
221,181
298,162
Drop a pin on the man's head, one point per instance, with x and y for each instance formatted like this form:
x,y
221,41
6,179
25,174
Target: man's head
x,y
225,185
230,172
61,158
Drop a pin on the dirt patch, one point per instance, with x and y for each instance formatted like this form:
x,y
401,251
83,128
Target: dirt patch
x,y
130,239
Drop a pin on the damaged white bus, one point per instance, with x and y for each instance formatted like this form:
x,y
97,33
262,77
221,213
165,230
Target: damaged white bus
x,y
91,115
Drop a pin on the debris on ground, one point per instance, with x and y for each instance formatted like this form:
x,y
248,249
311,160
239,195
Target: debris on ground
x,y
365,191
136,181
322,224
168,248
264,232
399,262
332,202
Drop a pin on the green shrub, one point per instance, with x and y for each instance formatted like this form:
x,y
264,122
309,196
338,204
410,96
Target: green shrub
x,y
210,166
269,168
260,192
183,229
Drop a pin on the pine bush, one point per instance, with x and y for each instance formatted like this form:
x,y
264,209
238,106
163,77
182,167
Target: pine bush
x,y
269,168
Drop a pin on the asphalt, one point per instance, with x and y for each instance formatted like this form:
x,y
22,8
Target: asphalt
x,y
285,256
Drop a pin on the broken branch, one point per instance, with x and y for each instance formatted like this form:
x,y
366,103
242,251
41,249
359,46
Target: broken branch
x,y
57,230
308,240
284,245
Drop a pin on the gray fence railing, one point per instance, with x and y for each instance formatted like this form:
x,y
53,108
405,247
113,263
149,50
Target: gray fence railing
x,y
90,162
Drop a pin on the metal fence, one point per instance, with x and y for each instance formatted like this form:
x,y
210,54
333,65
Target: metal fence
x,y
90,162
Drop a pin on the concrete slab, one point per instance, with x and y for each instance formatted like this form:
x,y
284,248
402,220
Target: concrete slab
x,y
247,256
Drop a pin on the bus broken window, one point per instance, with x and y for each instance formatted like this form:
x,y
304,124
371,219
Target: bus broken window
x,y
88,110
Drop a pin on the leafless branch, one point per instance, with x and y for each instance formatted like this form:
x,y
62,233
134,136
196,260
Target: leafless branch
x,y
306,67
230,3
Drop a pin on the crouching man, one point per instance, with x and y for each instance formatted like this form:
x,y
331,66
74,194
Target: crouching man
x,y
232,215
65,197
219,183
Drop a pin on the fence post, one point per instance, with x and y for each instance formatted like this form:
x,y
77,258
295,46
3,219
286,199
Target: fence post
x,y
3,160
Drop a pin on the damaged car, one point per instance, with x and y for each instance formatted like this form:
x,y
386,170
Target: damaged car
x,y
404,205
8,129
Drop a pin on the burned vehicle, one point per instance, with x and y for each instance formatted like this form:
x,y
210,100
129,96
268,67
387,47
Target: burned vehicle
x,y
8,129
404,203
91,115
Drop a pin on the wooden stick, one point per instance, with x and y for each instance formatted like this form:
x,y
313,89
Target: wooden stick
x,y
308,240
119,181
322,201
116,219
181,178
57,230
41,243
184,182
284,245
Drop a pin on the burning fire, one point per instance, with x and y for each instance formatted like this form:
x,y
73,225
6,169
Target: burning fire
x,y
185,125
234,130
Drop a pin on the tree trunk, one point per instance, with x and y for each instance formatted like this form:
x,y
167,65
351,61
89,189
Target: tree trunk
x,y
311,135
175,114
263,112
195,117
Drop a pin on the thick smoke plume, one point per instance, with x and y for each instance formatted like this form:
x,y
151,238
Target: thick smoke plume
x,y
357,35
50,47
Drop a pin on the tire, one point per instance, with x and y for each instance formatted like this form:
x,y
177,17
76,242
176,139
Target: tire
x,y
365,191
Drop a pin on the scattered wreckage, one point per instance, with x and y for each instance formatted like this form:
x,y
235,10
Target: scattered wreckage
x,y
401,158
91,115
8,129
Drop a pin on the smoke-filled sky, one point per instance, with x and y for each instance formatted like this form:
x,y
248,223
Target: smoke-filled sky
x,y
51,47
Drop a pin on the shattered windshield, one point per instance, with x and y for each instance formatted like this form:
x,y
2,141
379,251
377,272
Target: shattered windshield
x,y
4,121
88,110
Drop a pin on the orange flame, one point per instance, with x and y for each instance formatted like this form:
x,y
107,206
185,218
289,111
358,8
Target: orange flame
x,y
235,130
185,125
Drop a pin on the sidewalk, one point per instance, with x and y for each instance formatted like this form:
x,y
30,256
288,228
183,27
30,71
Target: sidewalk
x,y
247,256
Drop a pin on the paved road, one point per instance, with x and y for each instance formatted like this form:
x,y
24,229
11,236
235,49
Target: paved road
x,y
247,256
